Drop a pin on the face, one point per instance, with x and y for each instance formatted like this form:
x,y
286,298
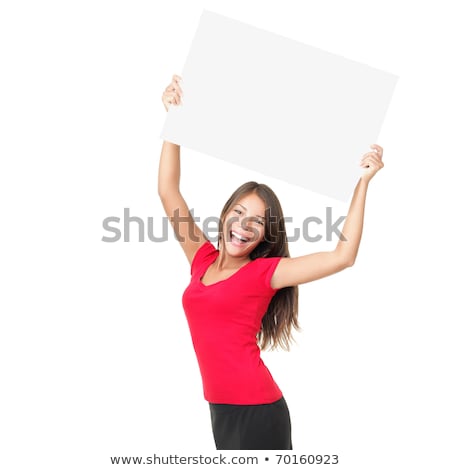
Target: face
x,y
244,225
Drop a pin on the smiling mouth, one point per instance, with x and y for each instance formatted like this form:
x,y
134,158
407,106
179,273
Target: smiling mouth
x,y
234,236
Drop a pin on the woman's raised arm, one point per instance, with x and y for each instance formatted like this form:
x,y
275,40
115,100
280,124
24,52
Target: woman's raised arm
x,y
302,269
187,232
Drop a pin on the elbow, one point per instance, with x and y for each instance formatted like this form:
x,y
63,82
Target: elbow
x,y
349,262
160,193
163,192
167,193
346,260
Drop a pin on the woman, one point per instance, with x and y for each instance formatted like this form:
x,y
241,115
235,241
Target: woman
x,y
242,297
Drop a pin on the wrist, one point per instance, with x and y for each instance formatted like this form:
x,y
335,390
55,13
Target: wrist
x,y
364,181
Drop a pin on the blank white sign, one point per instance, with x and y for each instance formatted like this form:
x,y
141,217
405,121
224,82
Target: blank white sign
x,y
279,107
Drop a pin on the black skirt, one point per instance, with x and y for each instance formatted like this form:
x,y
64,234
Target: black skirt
x,y
251,427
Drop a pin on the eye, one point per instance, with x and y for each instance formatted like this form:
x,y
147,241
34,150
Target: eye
x,y
237,211
260,222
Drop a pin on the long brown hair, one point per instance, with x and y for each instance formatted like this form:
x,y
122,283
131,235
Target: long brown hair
x,y
282,313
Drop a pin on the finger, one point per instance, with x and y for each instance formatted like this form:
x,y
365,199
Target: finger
x,y
373,154
167,98
373,162
368,154
177,88
365,164
369,159
176,84
377,148
174,87
176,97
372,158
172,97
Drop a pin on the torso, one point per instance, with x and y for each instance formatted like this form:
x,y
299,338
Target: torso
x,y
224,315
212,275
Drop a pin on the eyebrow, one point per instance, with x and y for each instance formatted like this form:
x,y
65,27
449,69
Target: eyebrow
x,y
260,216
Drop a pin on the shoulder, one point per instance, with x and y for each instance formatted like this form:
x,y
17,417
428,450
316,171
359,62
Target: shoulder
x,y
265,267
203,255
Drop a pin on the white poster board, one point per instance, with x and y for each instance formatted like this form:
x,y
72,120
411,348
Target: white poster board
x,y
274,105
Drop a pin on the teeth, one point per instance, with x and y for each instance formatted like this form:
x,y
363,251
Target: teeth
x,y
238,236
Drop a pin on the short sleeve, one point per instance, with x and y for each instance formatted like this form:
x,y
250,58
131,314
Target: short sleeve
x,y
202,256
266,269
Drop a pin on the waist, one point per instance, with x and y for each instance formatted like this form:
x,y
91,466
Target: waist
x,y
227,407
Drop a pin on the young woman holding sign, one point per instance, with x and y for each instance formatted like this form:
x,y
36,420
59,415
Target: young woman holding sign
x,y
243,296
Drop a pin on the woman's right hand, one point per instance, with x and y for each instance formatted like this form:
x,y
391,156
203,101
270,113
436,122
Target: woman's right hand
x,y
173,93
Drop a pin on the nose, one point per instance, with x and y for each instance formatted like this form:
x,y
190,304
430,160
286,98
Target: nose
x,y
247,230
244,224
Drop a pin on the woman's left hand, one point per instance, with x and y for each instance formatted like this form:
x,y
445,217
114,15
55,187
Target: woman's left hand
x,y
372,162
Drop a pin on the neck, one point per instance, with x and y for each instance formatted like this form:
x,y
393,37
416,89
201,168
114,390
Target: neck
x,y
225,261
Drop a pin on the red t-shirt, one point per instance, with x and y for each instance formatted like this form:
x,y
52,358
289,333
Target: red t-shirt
x,y
224,319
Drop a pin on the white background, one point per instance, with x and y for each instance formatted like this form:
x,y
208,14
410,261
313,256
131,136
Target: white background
x,y
96,358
